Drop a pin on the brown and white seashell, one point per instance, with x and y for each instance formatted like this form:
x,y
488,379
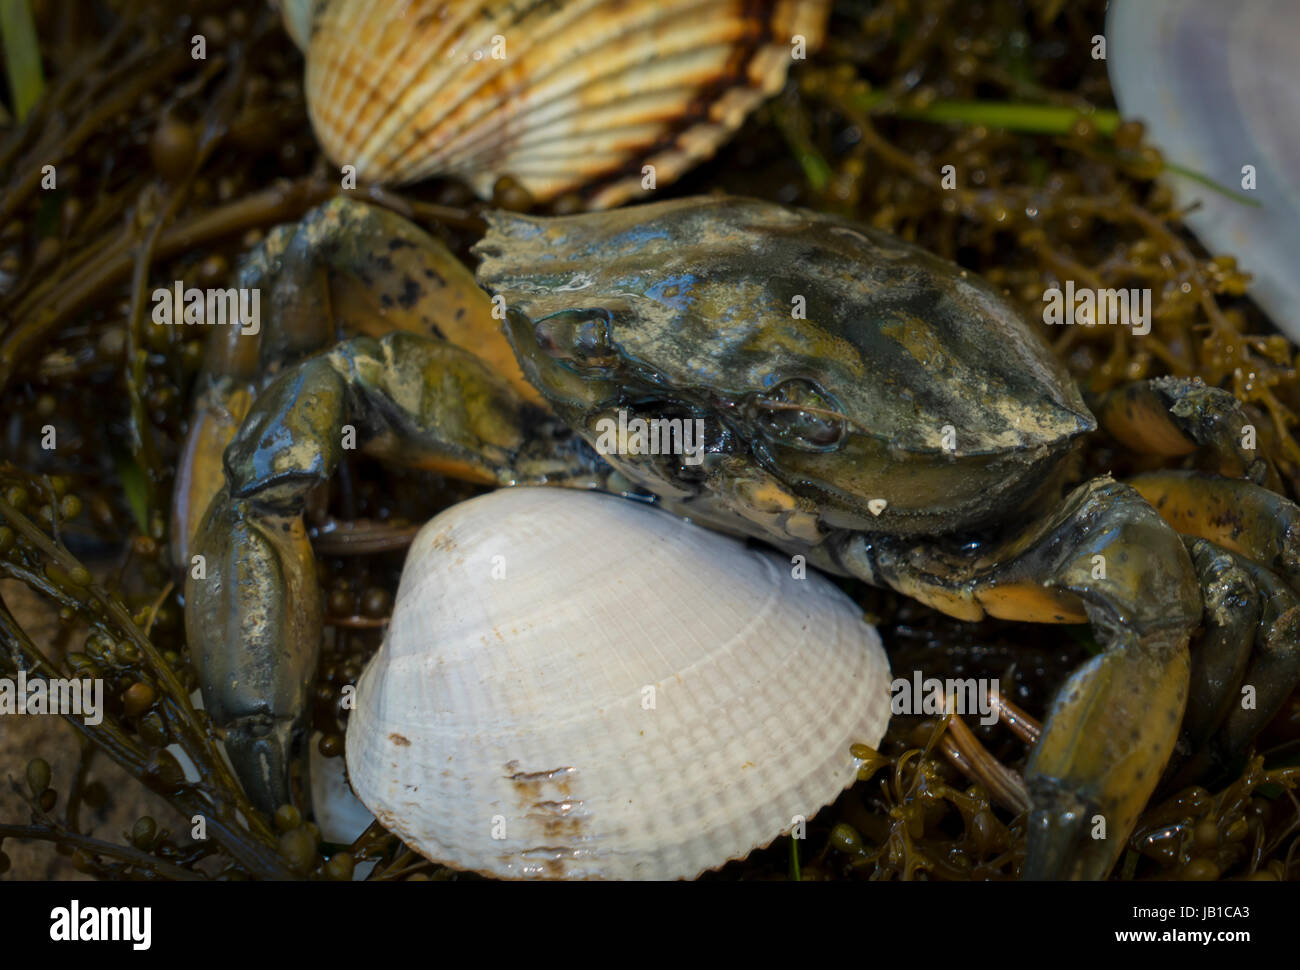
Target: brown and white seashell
x,y
633,698
560,95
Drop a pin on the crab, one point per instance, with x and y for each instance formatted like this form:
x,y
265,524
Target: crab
x,y
867,405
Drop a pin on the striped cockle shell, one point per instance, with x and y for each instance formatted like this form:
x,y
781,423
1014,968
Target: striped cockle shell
x,y
579,686
562,95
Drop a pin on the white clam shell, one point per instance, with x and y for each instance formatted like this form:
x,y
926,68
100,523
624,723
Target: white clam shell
x,y
336,810
637,698
559,95
1216,83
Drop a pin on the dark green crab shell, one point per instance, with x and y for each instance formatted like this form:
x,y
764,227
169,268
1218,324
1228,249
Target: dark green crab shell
x,y
930,390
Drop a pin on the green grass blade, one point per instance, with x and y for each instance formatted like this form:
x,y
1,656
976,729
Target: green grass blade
x,y
1034,119
22,56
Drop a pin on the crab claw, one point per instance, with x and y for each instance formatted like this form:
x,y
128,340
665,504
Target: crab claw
x,y
1110,731
1108,558
1113,725
253,621
262,751
253,616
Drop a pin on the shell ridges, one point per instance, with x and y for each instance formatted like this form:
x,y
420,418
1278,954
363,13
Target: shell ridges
x,y
520,702
561,96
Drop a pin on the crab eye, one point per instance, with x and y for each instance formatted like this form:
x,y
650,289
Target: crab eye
x,y
799,414
580,336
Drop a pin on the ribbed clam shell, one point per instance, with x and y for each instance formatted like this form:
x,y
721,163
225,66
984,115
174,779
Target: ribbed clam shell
x,y
1216,84
586,93
636,698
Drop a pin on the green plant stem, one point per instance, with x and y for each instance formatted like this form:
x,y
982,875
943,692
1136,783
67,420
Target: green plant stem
x,y
22,56
1040,119
793,128
1034,119
1209,183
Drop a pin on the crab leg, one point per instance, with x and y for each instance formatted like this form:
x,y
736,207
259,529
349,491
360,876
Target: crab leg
x,y
346,267
1258,533
1174,416
1274,673
1108,558
1232,613
254,618
1238,515
1252,639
